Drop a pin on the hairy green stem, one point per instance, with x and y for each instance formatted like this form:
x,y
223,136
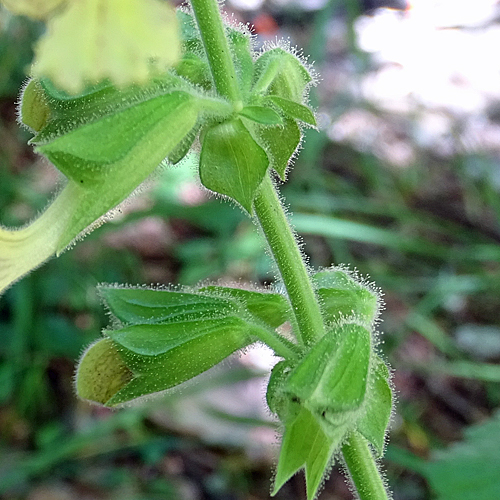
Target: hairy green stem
x,y
308,324
219,55
290,263
363,469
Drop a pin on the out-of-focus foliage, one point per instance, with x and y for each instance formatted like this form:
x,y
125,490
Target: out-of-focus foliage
x,y
125,41
16,37
469,469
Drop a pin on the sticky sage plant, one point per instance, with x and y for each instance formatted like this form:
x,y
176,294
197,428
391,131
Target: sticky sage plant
x,y
244,112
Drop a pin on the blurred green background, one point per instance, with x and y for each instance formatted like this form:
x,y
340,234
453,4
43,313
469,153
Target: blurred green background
x,y
400,185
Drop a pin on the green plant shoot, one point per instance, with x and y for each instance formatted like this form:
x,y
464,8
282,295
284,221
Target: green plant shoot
x,y
330,388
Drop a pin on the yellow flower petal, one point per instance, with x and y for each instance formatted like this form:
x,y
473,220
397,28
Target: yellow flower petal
x,y
37,9
120,40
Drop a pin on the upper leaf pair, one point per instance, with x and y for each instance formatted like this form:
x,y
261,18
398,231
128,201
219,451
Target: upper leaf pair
x,y
107,141
265,132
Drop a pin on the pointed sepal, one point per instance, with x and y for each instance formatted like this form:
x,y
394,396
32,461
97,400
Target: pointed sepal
x,y
377,412
307,446
332,377
293,109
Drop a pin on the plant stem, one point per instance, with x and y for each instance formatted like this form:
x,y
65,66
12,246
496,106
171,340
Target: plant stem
x,y
214,39
290,263
281,346
281,239
363,469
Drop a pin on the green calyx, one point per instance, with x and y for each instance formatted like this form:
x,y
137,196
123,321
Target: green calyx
x,y
340,386
165,337
343,294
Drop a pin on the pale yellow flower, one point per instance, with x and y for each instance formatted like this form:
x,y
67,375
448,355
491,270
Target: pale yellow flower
x,y
120,40
37,9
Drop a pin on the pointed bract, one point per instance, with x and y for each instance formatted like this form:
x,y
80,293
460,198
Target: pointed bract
x,y
306,445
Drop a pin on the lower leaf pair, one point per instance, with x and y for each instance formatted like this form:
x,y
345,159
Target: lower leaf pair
x,y
320,393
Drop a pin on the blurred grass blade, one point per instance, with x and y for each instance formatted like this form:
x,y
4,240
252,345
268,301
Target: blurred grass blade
x,y
429,329
333,227
486,372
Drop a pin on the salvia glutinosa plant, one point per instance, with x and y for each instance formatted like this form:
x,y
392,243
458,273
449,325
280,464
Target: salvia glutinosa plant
x,y
119,87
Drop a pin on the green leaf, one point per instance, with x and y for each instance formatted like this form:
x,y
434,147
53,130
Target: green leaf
x,y
271,308
69,112
189,29
242,56
155,339
153,374
343,294
81,154
59,98
232,163
468,470
147,306
183,148
260,114
377,412
305,445
280,143
293,109
332,377
195,69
